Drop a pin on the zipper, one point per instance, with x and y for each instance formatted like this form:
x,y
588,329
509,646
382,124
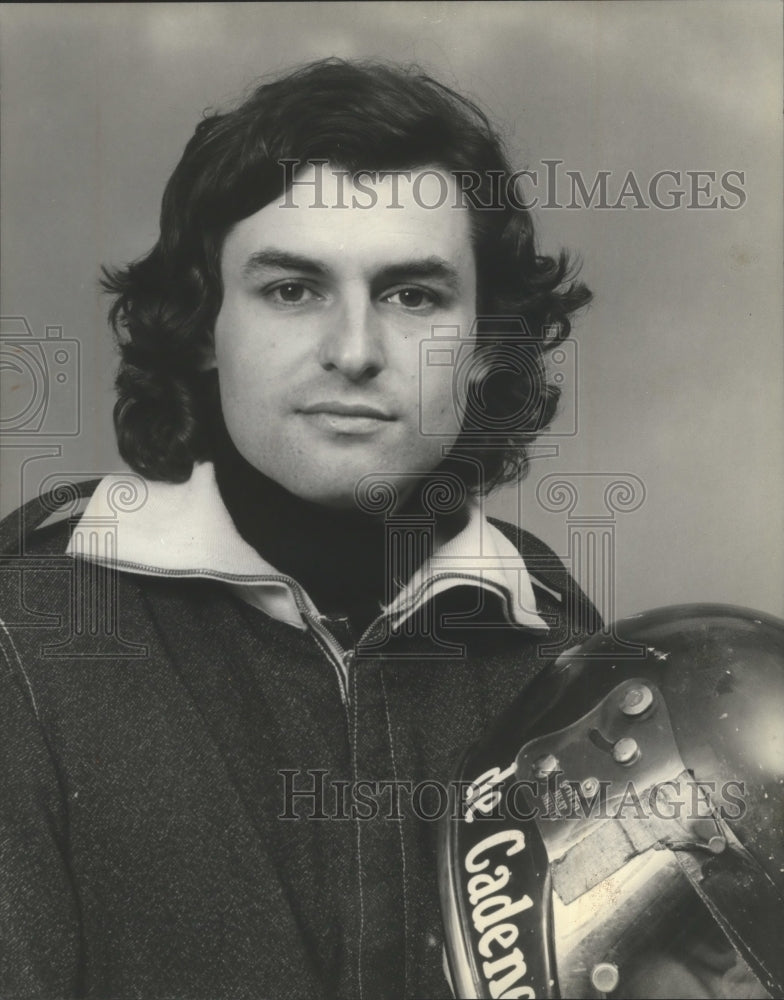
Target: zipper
x,y
339,657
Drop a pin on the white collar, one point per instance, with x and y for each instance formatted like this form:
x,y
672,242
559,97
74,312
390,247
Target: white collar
x,y
185,530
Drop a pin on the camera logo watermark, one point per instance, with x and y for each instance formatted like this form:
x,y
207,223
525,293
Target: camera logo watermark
x,y
497,348
40,381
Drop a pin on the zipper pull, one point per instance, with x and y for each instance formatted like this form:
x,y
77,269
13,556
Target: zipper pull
x,y
340,629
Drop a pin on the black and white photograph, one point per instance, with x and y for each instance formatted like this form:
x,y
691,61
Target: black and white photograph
x,y
391,521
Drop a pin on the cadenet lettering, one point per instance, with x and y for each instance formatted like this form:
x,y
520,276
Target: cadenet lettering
x,y
491,910
483,794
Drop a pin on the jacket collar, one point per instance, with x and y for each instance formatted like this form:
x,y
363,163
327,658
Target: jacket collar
x,y
185,530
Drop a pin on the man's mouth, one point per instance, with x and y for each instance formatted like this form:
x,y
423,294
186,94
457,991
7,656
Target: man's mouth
x,y
348,410
347,418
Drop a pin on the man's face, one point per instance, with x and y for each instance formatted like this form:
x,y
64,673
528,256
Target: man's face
x,y
318,338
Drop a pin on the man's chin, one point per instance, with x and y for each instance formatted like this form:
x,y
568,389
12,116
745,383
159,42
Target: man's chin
x,y
332,500
337,495
368,492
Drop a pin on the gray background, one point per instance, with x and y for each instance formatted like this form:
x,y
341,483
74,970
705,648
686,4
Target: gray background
x,y
679,361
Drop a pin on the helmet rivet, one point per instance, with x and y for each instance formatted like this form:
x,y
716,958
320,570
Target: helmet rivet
x,y
546,765
717,844
638,699
590,786
605,977
626,751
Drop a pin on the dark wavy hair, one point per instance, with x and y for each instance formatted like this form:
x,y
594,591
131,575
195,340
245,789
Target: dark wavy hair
x,y
359,116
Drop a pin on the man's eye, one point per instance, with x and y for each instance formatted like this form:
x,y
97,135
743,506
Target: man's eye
x,y
412,298
291,293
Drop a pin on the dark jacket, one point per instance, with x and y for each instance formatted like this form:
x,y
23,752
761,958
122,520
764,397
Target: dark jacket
x,y
146,769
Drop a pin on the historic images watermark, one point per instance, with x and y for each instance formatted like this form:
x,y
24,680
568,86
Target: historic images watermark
x,y
550,185
310,794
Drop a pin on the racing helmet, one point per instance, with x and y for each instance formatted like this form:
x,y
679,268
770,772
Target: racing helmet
x,y
620,830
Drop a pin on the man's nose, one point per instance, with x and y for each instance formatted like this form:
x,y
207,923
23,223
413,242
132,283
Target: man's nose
x,y
352,342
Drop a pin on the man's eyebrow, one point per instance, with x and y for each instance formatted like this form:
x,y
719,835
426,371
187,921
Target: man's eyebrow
x,y
433,267
281,260
437,268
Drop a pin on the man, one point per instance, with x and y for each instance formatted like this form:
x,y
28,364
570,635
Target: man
x,y
334,349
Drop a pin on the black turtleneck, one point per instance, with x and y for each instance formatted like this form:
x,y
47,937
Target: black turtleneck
x,y
340,557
